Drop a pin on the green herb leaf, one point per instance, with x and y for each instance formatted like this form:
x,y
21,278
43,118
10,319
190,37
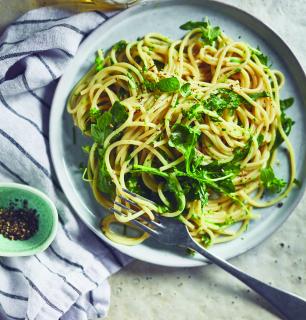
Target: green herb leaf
x,y
184,139
86,149
185,90
168,84
286,121
190,25
108,121
286,103
222,100
94,113
149,85
262,57
270,182
149,170
258,95
105,183
209,34
101,129
260,139
206,240
120,45
119,114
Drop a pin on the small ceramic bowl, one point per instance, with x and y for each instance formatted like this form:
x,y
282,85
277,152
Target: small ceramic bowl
x,y
47,217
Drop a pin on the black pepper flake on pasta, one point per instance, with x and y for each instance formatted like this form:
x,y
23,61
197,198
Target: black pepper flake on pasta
x,y
18,223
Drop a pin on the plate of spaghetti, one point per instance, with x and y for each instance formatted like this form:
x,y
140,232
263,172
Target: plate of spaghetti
x,y
197,115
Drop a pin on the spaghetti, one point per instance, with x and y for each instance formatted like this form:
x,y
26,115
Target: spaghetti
x,y
191,125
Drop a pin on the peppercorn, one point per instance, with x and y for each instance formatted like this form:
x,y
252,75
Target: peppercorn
x,y
18,223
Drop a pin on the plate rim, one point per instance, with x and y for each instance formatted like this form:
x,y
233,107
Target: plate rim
x,y
57,96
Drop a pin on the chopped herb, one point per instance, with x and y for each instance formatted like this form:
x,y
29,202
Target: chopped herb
x,y
235,60
149,85
270,182
99,61
206,240
168,84
209,34
260,139
94,113
258,95
286,121
264,59
86,149
222,100
185,90
105,183
120,45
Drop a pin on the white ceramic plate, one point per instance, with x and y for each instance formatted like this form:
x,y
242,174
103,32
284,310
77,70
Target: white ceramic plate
x,y
166,17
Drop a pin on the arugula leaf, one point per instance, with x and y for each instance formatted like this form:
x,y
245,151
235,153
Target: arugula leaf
x,y
149,170
105,183
120,45
270,182
264,59
185,90
107,121
286,121
168,84
190,25
172,184
218,169
286,103
184,139
258,95
209,34
119,114
101,129
194,190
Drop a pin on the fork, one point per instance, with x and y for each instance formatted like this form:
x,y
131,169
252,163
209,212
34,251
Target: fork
x,y
171,231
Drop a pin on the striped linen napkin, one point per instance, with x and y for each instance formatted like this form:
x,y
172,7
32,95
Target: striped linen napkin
x,y
68,280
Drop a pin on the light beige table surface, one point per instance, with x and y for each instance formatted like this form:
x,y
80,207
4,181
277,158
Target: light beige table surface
x,y
146,292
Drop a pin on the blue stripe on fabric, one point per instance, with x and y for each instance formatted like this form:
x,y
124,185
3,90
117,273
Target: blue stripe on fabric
x,y
26,85
22,117
33,286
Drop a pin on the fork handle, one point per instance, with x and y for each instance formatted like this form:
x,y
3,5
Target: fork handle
x,y
289,305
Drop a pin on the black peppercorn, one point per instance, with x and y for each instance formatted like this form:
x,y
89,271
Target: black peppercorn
x,y
18,223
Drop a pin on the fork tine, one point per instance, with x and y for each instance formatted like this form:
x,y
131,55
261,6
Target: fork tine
x,y
129,201
155,223
123,206
137,223
144,227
